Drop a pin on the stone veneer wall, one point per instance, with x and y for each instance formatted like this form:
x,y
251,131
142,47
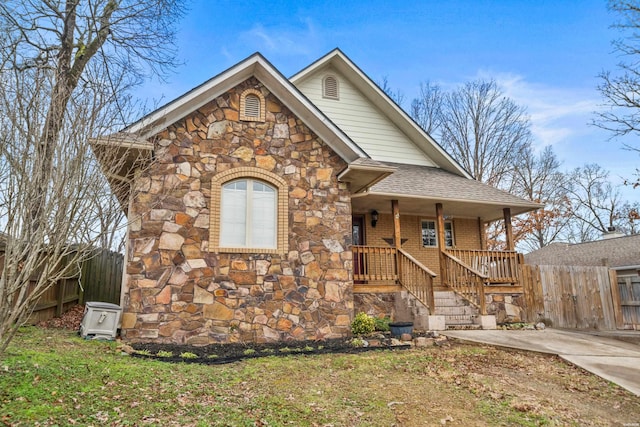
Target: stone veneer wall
x,y
177,291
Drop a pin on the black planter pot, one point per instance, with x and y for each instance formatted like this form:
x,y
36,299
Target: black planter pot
x,y
399,328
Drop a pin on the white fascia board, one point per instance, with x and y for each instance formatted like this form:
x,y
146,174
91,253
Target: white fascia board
x,y
194,99
259,67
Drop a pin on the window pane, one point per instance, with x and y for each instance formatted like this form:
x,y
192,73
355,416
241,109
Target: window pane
x,y
233,214
263,221
448,234
429,233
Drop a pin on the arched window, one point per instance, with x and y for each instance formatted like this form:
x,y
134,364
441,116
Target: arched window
x,y
330,87
248,210
252,106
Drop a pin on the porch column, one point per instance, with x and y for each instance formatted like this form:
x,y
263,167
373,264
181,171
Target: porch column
x,y
441,243
508,229
482,230
395,210
397,236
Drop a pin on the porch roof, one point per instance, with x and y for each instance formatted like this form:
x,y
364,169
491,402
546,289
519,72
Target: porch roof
x,y
419,188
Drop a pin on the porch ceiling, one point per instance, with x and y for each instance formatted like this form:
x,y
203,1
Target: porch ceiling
x,y
365,203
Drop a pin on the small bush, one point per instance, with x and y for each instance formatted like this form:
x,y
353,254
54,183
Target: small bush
x,y
163,353
188,355
363,324
382,324
357,342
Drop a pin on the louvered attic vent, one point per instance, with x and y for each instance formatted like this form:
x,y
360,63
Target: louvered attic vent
x,y
330,87
252,106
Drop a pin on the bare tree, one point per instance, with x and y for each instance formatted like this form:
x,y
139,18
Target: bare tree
x,y
595,204
484,131
396,95
426,109
622,91
539,179
65,68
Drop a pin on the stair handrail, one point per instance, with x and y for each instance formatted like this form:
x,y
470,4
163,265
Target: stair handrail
x,y
479,283
420,288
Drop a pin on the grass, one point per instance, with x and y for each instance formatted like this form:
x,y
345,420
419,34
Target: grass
x,y
52,377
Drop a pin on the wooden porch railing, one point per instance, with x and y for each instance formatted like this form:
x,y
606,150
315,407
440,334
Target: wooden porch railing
x,y
417,279
501,267
376,264
466,281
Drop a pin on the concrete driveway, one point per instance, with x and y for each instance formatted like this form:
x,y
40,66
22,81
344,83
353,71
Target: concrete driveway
x,y
613,360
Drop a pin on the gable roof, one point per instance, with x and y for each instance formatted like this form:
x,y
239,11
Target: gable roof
x,y
614,252
338,60
257,66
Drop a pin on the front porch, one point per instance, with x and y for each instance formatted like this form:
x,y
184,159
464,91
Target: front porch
x,y
471,274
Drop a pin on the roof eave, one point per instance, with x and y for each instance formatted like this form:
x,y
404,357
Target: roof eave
x,y
255,65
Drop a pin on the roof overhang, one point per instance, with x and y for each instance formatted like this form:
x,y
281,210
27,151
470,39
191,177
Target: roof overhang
x,y
364,173
120,155
426,206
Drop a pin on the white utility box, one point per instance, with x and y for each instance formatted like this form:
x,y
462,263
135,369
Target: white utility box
x,y
100,321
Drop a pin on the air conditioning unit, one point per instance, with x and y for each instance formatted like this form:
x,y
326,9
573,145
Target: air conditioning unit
x,y
100,321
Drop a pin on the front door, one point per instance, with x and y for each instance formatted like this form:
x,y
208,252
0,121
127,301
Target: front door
x,y
357,230
357,236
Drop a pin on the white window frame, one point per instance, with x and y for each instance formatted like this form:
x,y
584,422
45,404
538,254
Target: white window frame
x,y
250,216
448,226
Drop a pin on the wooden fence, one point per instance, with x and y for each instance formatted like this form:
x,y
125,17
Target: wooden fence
x,y
629,291
573,297
99,279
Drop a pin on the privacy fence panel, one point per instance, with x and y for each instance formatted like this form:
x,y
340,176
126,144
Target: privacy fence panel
x,y
629,290
574,297
99,279
102,277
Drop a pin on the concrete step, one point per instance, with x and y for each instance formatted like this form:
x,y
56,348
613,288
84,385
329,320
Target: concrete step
x,y
463,327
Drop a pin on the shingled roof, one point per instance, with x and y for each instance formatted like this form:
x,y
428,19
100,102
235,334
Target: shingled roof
x,y
438,184
614,252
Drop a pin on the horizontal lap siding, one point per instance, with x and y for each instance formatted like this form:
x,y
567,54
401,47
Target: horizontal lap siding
x,y
363,122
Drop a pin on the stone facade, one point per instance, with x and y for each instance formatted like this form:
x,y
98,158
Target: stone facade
x,y
182,287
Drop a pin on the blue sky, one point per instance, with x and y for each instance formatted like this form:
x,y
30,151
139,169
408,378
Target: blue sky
x,y
544,54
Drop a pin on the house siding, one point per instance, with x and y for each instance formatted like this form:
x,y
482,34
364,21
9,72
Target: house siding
x,y
181,288
366,125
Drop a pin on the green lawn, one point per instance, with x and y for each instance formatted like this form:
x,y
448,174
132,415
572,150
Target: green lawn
x,y
52,377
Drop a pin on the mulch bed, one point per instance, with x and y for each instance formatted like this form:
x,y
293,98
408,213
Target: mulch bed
x,y
216,354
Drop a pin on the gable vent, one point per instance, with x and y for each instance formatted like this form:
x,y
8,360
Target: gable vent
x,y
252,106
330,87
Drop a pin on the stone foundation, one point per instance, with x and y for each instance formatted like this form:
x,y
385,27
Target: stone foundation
x,y
508,308
376,305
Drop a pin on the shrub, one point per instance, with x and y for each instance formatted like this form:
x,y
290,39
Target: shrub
x,y
382,324
188,355
363,324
